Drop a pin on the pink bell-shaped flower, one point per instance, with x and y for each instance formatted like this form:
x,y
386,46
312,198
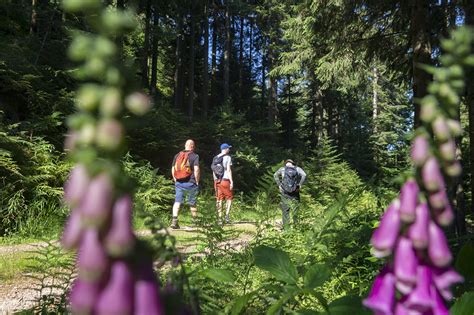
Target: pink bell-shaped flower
x,y
83,296
384,237
438,249
432,177
438,200
117,297
420,298
439,308
382,295
97,201
420,150
444,279
147,297
92,260
120,238
441,129
73,231
76,186
418,231
445,216
408,201
406,262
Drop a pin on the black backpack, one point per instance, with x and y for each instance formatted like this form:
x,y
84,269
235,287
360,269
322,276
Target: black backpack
x,y
290,179
217,166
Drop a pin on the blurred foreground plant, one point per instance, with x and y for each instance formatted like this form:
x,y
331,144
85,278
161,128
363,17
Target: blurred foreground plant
x,y
115,271
417,278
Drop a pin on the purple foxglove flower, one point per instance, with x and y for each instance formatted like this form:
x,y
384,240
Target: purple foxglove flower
x,y
73,231
120,238
382,295
429,108
138,103
418,231
444,279
406,262
439,308
384,237
447,150
92,260
445,216
453,169
83,296
76,185
97,202
441,129
439,200
117,297
400,309
420,298
408,200
432,177
147,298
420,150
438,249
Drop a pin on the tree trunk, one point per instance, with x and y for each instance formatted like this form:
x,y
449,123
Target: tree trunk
x,y
34,17
273,88
263,75
468,7
420,43
154,53
227,52
146,44
251,45
375,105
178,72
191,68
205,70
214,45
241,58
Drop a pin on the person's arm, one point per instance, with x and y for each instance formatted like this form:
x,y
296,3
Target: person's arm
x,y
277,176
197,174
229,173
302,175
172,173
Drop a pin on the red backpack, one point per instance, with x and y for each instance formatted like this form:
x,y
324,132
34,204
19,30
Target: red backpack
x,y
182,167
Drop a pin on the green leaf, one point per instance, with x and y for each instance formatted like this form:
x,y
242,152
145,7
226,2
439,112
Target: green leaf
x,y
348,305
464,305
240,303
220,275
276,307
316,275
464,261
277,262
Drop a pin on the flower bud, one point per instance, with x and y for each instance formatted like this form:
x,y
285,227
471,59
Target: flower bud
x,y
445,216
87,134
111,103
80,47
429,108
116,22
104,47
75,6
384,237
447,150
441,129
438,249
83,296
138,103
420,298
73,231
117,296
88,97
418,231
76,186
97,202
420,150
70,141
431,174
453,169
109,134
95,68
454,127
408,200
92,261
147,297
439,199
382,295
406,262
120,238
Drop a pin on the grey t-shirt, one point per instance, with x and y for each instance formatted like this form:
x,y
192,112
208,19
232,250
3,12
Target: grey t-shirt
x,y
227,160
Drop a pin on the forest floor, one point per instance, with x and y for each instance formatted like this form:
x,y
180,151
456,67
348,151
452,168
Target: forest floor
x,y
17,287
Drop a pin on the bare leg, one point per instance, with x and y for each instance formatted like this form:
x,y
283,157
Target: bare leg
x,y
176,206
219,209
227,212
193,211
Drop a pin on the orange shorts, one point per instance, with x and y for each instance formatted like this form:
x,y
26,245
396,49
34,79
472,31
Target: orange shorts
x,y
223,190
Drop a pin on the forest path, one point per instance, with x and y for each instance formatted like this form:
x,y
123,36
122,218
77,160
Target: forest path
x,y
16,285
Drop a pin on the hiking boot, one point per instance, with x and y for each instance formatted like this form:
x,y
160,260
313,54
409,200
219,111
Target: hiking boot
x,y
174,224
227,219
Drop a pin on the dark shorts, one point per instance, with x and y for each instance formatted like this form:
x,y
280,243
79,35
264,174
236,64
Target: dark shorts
x,y
223,190
187,191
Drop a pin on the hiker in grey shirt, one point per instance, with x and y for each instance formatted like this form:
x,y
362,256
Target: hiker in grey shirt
x,y
289,179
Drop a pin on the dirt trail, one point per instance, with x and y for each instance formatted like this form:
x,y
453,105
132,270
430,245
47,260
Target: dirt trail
x,y
17,295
